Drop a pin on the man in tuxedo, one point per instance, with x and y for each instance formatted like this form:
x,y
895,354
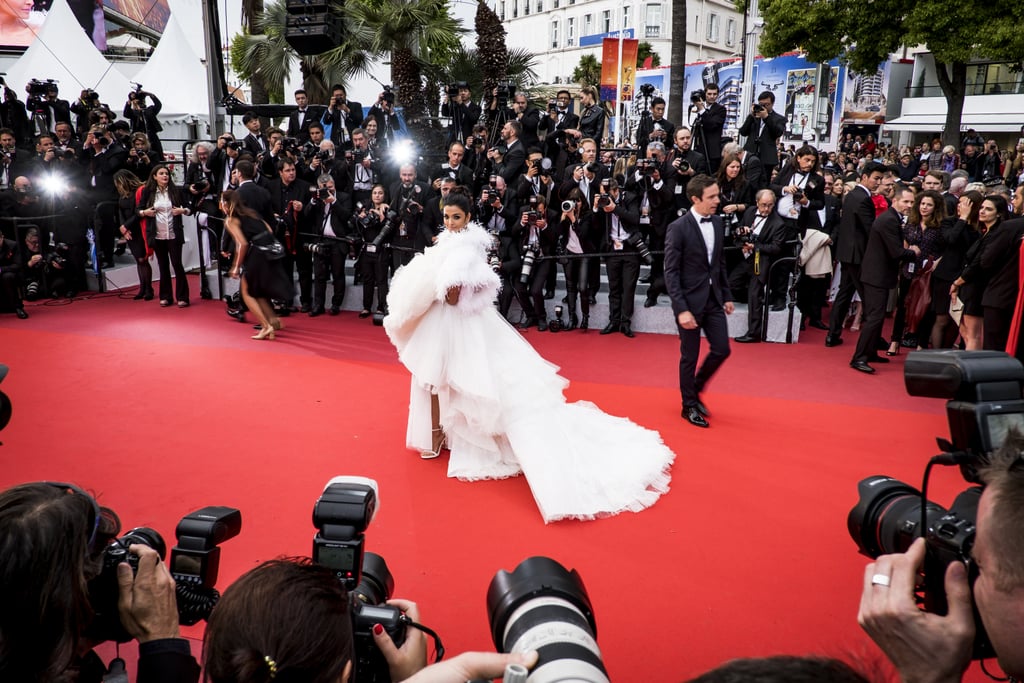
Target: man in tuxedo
x,y
329,218
464,113
555,123
616,216
513,161
341,117
453,168
222,161
528,117
255,142
763,128
708,125
299,120
683,164
763,234
143,118
854,227
699,288
290,195
408,197
655,128
883,255
252,195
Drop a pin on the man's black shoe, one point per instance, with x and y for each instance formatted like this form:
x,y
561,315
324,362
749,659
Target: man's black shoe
x,y
747,339
610,327
862,367
833,341
593,299
693,416
549,294
701,408
542,325
528,323
877,359
238,315
335,310
648,302
627,329
314,312
818,325
20,312
303,308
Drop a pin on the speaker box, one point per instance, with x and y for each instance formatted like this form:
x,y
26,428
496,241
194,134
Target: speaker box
x,y
313,33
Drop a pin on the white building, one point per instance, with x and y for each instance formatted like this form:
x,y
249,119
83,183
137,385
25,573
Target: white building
x,y
559,32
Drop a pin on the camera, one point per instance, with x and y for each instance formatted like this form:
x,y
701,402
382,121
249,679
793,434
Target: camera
x,y
39,88
647,166
356,156
200,187
757,108
542,165
697,96
323,193
235,145
194,565
529,258
322,154
604,198
568,205
454,88
647,90
317,248
556,324
388,95
58,258
798,196
638,243
681,165
552,106
505,90
593,168
984,392
542,606
341,515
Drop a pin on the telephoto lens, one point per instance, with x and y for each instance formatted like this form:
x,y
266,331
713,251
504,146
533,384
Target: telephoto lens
x,y
542,606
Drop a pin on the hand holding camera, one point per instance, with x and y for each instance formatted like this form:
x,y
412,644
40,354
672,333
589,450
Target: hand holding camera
x,y
146,601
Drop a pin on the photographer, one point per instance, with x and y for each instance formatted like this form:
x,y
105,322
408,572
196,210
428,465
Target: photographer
x,y
82,108
928,647
458,104
328,215
617,222
763,127
369,224
200,178
300,119
495,211
433,210
325,160
13,115
454,168
509,156
10,277
341,117
290,195
20,201
684,163
222,161
536,240
255,142
12,163
528,117
536,181
577,237
363,167
654,127
103,157
47,103
557,120
140,158
389,126
407,198
52,546
143,119
761,236
646,180
708,122
42,271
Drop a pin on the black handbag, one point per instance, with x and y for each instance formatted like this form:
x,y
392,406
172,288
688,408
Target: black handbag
x,y
268,245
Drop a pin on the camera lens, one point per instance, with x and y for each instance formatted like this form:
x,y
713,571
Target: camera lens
x,y
377,584
887,516
543,606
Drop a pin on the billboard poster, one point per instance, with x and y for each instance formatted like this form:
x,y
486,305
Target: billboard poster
x,y
21,20
864,97
610,70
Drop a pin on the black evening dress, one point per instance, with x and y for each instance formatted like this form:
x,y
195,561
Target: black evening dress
x,y
264,277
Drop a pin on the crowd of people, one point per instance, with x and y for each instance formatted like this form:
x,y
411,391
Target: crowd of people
x,y
336,184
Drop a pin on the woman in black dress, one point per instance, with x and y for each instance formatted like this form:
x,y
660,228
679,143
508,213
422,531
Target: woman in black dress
x,y
970,286
128,184
958,234
263,276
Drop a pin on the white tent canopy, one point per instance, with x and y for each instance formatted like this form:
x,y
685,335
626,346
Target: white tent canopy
x,y
64,53
176,75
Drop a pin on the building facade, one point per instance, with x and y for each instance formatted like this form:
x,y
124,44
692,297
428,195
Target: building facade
x,y
560,32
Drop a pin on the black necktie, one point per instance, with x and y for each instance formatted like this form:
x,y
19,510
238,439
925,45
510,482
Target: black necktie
x,y
705,219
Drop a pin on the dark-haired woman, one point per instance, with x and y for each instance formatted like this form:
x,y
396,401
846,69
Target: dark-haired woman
x,y
959,233
262,277
162,204
735,193
127,185
983,261
577,236
477,384
923,228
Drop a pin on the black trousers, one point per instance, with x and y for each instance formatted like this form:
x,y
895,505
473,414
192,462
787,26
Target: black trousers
x,y
374,270
576,275
811,295
531,294
623,272
755,302
996,327
168,255
849,282
10,294
691,380
329,263
302,263
874,300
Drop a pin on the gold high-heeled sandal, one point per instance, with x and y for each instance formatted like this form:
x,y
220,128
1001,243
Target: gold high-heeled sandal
x,y
265,333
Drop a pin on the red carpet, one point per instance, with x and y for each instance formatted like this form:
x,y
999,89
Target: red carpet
x,y
162,411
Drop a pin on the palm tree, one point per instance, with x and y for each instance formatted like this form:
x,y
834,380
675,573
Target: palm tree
x,y
491,49
677,80
251,11
588,71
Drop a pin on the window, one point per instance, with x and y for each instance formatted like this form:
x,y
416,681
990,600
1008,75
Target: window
x,y
540,6
712,28
653,24
501,10
570,32
606,21
625,17
526,8
588,24
515,8
730,32
554,33
556,3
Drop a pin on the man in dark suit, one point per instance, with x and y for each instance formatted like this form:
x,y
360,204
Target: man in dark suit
x,y
616,216
682,165
528,117
341,117
102,157
512,162
854,227
453,168
707,127
253,196
880,272
299,120
763,232
699,289
408,197
555,123
329,215
143,118
255,142
655,128
464,113
763,128
290,195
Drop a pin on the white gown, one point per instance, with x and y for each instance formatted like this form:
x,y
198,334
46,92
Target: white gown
x,y
501,404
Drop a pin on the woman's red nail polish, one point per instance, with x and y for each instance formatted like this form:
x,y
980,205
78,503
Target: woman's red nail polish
x,y
378,630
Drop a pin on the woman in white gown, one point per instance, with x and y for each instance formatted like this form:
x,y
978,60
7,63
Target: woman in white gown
x,y
499,403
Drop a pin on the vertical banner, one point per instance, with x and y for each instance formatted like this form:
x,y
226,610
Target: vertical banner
x,y
610,69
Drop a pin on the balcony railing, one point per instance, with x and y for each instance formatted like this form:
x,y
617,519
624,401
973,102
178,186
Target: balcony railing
x,y
1000,88
652,32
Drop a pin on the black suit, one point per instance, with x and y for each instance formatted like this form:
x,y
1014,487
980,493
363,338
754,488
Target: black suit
x,y
707,134
649,125
762,140
513,162
291,233
144,120
850,244
879,273
624,268
530,121
753,171
301,131
258,199
331,260
255,144
553,127
464,117
768,245
1001,259
342,124
698,285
